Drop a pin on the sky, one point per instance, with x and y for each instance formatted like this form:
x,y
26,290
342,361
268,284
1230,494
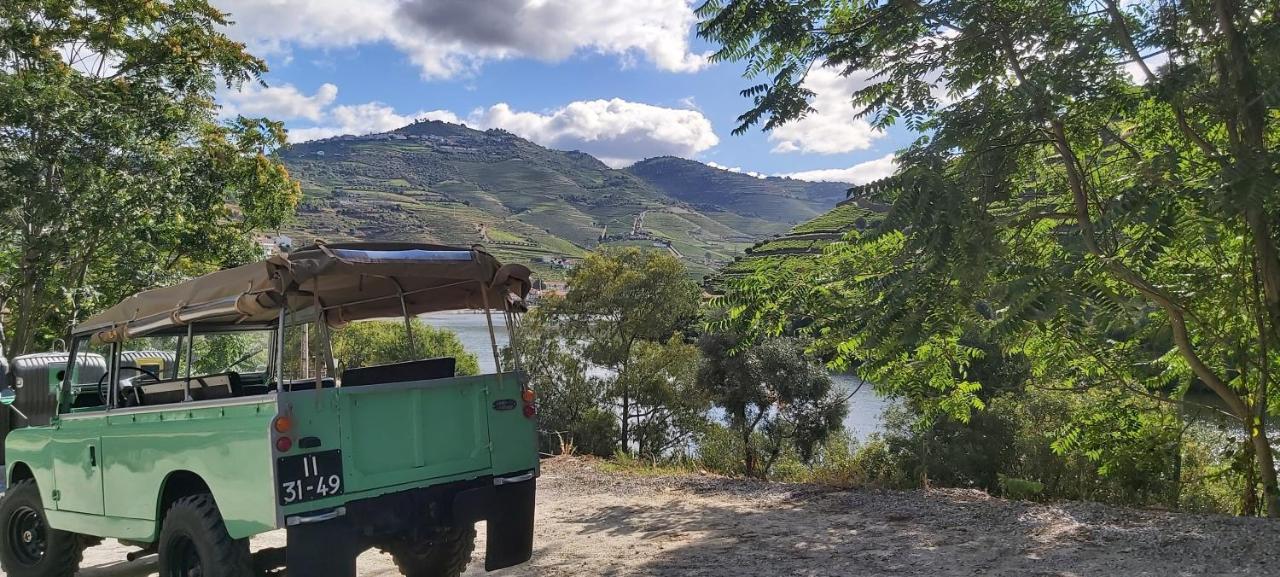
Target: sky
x,y
622,80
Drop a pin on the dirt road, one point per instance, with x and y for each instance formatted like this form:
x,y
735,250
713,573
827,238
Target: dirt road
x,y
593,523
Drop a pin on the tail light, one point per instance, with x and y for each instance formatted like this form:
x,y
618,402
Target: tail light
x,y
283,424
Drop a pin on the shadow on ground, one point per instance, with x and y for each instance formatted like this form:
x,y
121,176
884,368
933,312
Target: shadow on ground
x,y
939,533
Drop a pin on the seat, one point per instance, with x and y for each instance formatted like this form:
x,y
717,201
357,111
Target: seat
x,y
424,370
203,388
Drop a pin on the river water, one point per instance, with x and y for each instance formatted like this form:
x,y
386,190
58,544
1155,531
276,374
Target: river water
x,y
865,407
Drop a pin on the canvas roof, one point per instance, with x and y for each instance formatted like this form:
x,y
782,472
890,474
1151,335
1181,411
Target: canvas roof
x,y
351,281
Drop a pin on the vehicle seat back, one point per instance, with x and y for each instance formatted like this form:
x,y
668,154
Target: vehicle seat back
x,y
203,388
441,368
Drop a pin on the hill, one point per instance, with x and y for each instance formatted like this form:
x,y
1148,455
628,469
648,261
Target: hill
x,y
804,241
433,181
710,188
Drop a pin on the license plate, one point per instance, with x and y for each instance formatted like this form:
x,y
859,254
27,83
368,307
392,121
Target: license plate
x,y
309,477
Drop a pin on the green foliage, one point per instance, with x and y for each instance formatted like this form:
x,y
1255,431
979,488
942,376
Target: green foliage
x,y
371,343
624,315
1020,489
776,399
115,172
571,403
1120,236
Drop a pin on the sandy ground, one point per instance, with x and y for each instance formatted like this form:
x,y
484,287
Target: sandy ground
x,y
594,523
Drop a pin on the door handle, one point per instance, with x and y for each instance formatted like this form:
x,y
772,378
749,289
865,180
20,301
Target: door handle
x,y
93,456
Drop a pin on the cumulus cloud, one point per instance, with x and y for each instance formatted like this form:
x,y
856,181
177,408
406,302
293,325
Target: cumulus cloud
x,y
284,102
831,128
450,37
616,131
737,169
860,173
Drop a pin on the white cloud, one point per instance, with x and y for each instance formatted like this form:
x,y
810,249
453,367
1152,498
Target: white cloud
x,y
831,128
860,173
450,37
616,131
737,169
282,102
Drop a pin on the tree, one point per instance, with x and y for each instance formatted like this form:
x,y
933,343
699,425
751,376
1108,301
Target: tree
x,y
770,386
115,173
571,403
1117,228
371,343
618,305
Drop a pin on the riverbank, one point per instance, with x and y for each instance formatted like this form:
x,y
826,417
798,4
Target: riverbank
x,y
594,521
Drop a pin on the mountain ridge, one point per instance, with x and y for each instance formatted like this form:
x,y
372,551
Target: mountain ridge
x,y
440,182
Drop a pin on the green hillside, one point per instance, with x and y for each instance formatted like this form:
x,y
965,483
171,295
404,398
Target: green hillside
x,y
715,189
438,182
804,241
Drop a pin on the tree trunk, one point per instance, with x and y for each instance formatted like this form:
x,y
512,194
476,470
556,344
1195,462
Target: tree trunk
x,y
626,421
1266,469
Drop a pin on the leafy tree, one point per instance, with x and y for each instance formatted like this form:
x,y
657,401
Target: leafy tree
x,y
370,343
618,306
1120,233
770,387
571,403
667,406
115,172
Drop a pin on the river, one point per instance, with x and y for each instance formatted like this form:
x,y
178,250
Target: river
x,y
865,407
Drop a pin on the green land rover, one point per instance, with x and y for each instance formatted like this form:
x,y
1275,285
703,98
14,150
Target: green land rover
x,y
254,426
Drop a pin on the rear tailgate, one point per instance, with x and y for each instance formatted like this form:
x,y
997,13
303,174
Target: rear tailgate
x,y
400,433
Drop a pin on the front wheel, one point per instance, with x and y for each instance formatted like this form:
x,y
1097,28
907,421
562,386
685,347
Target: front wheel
x,y
29,547
194,542
445,554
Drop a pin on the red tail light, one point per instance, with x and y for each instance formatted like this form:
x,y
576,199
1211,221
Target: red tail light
x,y
284,444
530,411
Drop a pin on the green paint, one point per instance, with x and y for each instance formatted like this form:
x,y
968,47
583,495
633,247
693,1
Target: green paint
x,y
393,437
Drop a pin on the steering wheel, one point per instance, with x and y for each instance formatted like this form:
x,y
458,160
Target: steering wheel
x,y
103,379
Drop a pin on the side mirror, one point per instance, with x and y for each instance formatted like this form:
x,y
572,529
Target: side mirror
x,y
8,396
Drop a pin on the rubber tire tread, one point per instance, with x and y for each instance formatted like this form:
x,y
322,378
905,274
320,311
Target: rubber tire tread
x,y
447,557
199,517
65,550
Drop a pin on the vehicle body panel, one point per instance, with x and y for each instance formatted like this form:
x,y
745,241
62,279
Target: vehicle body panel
x,y
225,444
401,436
393,437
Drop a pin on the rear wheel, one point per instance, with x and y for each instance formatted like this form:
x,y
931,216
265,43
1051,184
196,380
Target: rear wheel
x,y
446,554
194,542
28,546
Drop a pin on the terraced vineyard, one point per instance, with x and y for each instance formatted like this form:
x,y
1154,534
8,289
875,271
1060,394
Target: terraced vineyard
x,y
444,183
805,241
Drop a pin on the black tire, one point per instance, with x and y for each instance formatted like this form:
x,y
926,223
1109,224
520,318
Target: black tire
x,y
446,554
194,542
28,546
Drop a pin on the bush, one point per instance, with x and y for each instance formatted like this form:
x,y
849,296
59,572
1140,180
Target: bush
x,y
847,463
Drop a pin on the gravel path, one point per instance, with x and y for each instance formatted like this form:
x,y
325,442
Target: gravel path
x,y
596,523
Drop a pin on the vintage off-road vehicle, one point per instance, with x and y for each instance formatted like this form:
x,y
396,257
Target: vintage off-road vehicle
x,y
257,427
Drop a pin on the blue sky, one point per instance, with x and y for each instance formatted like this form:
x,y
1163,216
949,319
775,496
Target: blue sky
x,y
620,79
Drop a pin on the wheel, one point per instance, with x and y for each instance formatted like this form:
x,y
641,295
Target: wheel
x,y
194,542
446,554
28,546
